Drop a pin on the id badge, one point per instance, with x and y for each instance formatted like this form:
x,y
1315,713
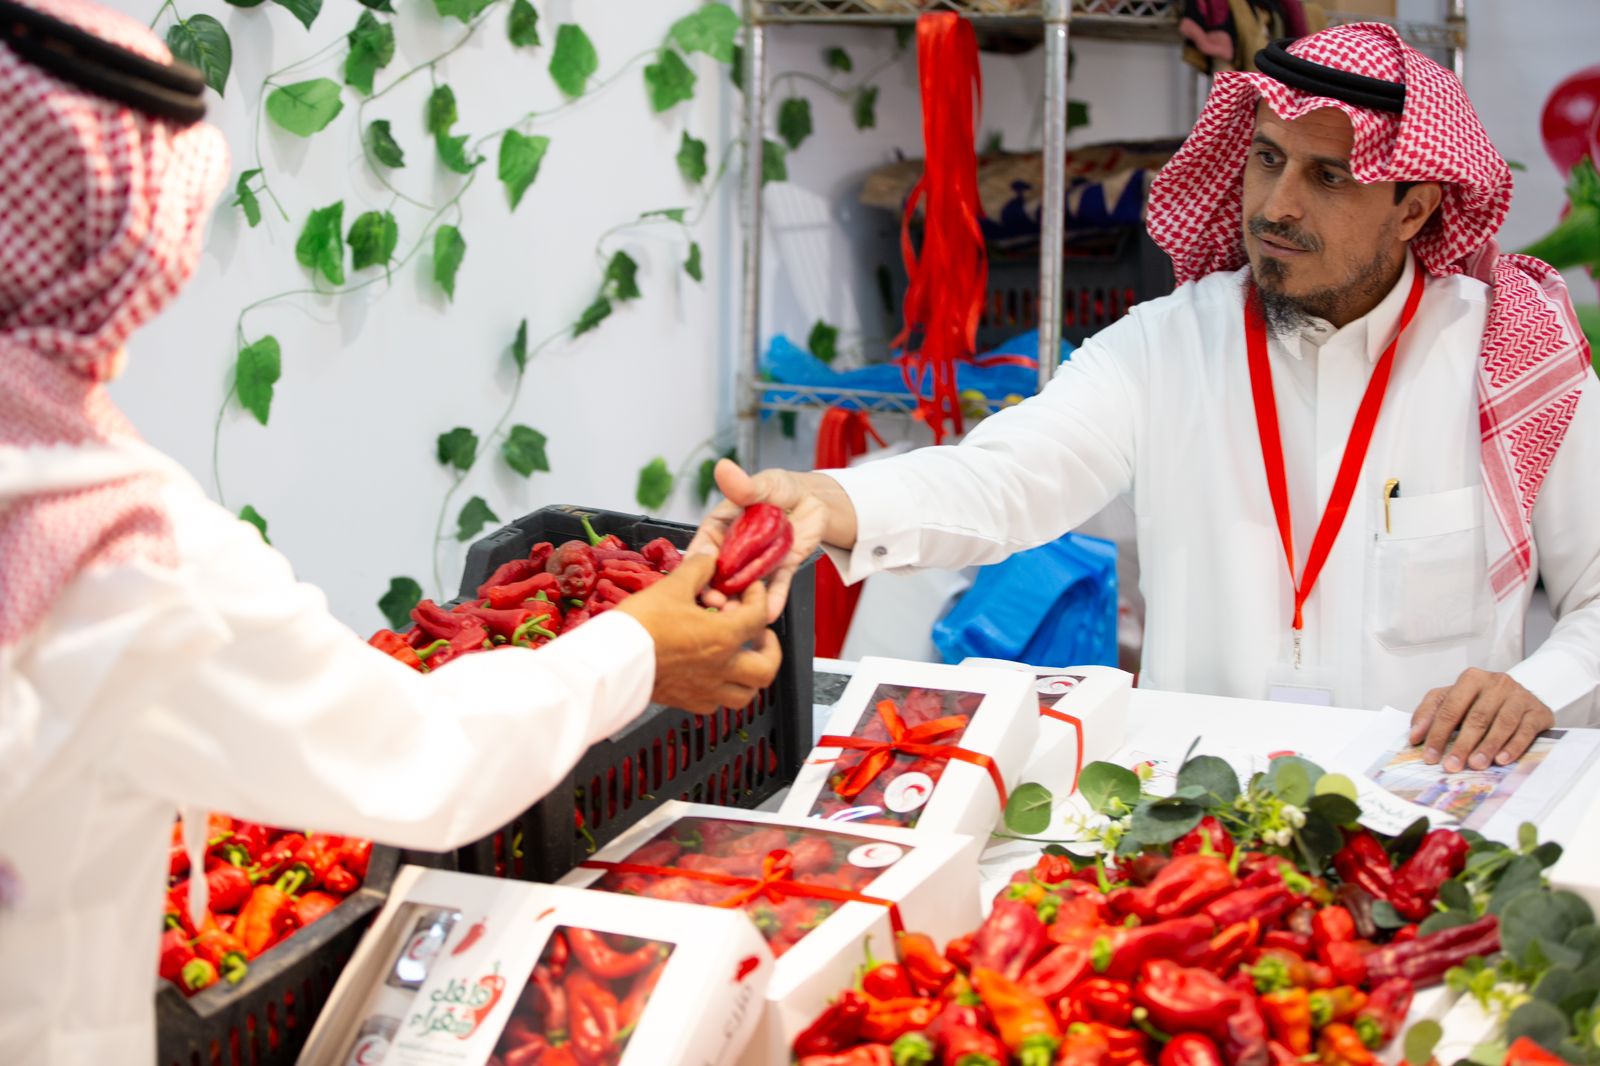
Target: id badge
x,y
1305,684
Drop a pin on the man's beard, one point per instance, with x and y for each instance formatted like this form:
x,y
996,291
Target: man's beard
x,y
1287,315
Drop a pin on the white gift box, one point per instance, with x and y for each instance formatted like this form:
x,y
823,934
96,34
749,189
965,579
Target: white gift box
x,y
1003,725
1097,696
931,879
442,972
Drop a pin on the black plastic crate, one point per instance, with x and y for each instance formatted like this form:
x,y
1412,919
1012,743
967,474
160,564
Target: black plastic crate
x,y
734,758
265,1019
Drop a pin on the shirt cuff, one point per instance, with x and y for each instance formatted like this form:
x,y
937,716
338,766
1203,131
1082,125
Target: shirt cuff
x,y
886,533
1555,678
617,649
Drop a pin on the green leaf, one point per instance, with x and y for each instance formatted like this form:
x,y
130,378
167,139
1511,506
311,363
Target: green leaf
x,y
1102,782
1337,785
1527,836
574,61
592,316
1523,875
672,214
465,10
396,604
259,367
903,36
1212,774
306,106
691,266
1157,824
453,153
449,248
373,238
1546,919
520,157
524,451
1028,809
736,67
522,26
1421,1039
200,41
1405,845
458,448
1290,778
838,59
1456,896
1384,916
669,80
865,107
304,10
1320,837
655,484
622,275
441,112
1536,1020
1338,810
245,197
788,424
824,341
376,5
475,514
1077,114
320,248
1548,853
253,516
1443,920
382,144
692,159
519,347
371,49
705,481
712,30
773,162
245,3
794,121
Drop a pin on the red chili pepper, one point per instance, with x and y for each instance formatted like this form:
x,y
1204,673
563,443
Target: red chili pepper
x,y
1441,855
356,856
276,858
1332,925
518,593
1209,837
268,916
197,976
462,633
223,951
176,953
1385,1012
890,1019
576,569
533,1051
865,1055
1106,1001
1026,1025
560,1056
1244,1040
1083,1045
1340,1004
1283,939
837,1028
1524,1052
395,646
556,1009
602,960
339,881
313,905
1059,970
1225,951
958,951
1183,887
1288,1015
884,980
929,971
513,625
1364,862
314,859
511,573
629,580
1190,1049
1184,999
632,1008
1424,960
1344,958
1121,953
1010,939
606,596
756,544
229,887
1267,903
1340,1046
662,554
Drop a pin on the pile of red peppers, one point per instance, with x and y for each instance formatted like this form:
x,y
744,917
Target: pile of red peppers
x,y
583,1001
264,884
527,603
1208,956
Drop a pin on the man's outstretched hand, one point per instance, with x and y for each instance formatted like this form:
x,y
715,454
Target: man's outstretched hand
x,y
1498,719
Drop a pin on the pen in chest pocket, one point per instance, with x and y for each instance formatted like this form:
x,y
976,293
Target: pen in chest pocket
x,y
1391,489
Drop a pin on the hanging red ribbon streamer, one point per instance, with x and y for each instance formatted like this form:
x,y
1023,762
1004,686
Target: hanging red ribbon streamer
x,y
913,741
944,295
776,882
841,437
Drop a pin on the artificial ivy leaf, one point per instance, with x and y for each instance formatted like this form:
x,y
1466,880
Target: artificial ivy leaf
x,y
1421,1039
259,367
705,481
306,106
794,121
671,214
250,514
692,159
1336,809
622,276
903,36
1028,809
788,424
465,10
371,49
592,316
773,165
1214,775
1077,114
523,25
574,61
736,68
838,59
824,341
524,450
711,30
448,250
245,3
453,153
669,80
441,113
383,145
320,248
475,514
655,484
1163,823
396,604
200,41
1102,782
864,109
245,197
458,448
376,5
519,347
691,266
373,238
520,157
304,10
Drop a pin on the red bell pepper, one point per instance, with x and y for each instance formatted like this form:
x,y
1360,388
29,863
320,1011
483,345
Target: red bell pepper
x,y
1106,1001
1057,972
1184,999
754,547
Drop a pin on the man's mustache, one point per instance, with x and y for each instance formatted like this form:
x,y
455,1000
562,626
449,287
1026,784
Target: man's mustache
x,y
1284,233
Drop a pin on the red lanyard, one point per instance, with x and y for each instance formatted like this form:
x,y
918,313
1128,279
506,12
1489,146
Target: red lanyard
x,y
1355,449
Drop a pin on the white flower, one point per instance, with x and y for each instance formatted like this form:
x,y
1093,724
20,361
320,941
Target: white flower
x,y
1294,816
1278,837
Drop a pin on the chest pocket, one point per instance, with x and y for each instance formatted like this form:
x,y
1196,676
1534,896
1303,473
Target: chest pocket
x,y
1431,582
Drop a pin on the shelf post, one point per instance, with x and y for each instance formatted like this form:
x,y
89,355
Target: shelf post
x,y
747,383
1053,198
1456,18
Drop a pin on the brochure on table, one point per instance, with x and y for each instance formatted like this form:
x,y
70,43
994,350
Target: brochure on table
x,y
443,976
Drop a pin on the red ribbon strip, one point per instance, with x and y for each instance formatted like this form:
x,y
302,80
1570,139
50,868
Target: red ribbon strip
x,y
1062,716
911,741
776,881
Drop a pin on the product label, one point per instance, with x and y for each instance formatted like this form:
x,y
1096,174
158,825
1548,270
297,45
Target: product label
x,y
907,792
876,855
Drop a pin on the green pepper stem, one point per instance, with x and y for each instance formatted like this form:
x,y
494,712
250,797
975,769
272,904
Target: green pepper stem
x,y
594,538
427,653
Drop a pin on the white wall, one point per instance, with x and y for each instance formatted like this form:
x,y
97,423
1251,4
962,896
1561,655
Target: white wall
x,y
346,473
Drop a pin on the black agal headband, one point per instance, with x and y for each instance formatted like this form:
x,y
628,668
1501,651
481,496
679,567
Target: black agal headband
x,y
1375,94
173,91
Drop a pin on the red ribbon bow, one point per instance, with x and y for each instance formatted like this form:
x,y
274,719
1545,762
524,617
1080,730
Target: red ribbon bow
x,y
903,741
776,882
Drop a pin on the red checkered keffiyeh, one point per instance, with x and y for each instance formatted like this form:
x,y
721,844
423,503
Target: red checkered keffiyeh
x,y
1535,357
102,211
